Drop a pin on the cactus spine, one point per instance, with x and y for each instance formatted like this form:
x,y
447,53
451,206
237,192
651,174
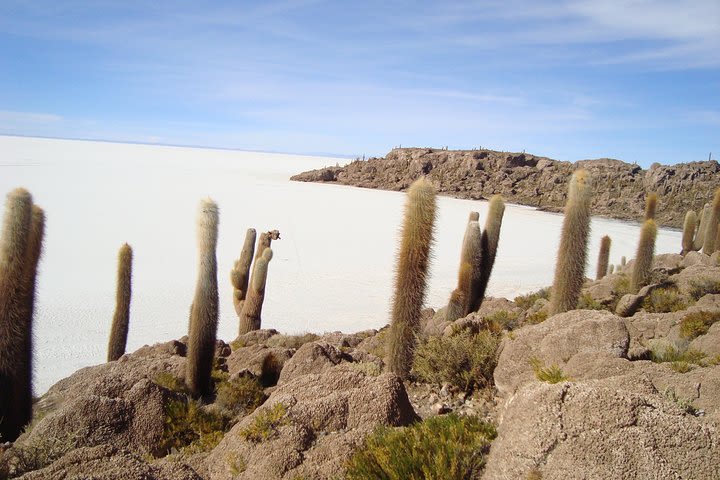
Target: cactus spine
x,y
121,318
250,317
711,227
240,274
488,246
603,257
700,234
572,253
411,275
644,256
688,231
14,337
650,206
204,310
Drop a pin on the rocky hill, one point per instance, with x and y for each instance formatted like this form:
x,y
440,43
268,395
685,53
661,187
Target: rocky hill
x,y
526,179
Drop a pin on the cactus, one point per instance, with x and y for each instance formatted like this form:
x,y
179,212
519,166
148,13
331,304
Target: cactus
x,y
611,269
250,317
688,231
644,255
458,298
603,257
488,247
711,226
572,253
240,274
650,206
474,217
14,323
700,234
411,275
204,310
623,261
121,319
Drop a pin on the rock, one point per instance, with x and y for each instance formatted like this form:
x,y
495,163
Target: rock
x,y
536,181
313,357
440,409
689,279
325,417
615,428
668,263
696,258
592,333
709,343
262,361
254,337
631,303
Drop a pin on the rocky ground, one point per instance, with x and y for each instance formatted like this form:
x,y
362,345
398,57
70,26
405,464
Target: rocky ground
x,y
619,189
627,387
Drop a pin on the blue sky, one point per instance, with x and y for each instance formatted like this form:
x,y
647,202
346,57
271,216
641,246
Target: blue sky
x,y
635,80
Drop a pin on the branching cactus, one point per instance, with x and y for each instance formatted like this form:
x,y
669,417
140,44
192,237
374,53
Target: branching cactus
x,y
644,256
14,323
651,206
250,317
572,254
411,275
121,319
204,310
488,246
700,234
688,235
240,274
711,227
603,257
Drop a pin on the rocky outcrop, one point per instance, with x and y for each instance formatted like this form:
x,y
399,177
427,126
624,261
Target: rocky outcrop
x,y
526,179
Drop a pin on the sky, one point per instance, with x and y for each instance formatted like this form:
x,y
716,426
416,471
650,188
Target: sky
x,y
635,80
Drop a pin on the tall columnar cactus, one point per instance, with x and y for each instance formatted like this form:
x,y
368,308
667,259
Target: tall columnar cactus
x,y
688,231
650,206
702,226
14,368
474,217
488,246
711,228
250,316
204,311
411,275
603,257
572,254
123,293
644,255
459,297
240,274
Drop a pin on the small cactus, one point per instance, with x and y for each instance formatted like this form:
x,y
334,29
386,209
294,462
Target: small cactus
x,y
611,269
603,257
572,253
204,310
650,206
711,227
644,255
411,275
240,274
121,319
623,261
250,317
702,224
488,247
688,231
15,337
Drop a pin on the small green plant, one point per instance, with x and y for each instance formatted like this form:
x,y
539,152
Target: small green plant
x,y
551,374
587,302
236,464
527,301
447,447
622,285
537,317
171,382
370,369
681,367
697,323
190,429
240,395
40,451
664,300
501,320
700,288
291,341
685,404
265,424
671,354
465,359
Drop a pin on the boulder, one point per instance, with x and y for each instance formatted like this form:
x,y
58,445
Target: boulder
x,y
313,357
696,258
693,277
262,361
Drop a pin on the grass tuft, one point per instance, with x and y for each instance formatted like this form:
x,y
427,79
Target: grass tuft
x,y
700,288
265,424
664,300
551,374
527,301
240,395
696,324
191,429
171,382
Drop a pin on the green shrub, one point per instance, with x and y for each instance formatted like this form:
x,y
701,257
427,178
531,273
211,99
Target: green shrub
x,y
673,355
537,317
527,301
501,320
190,428
700,288
683,403
171,382
447,447
265,423
622,285
551,374
291,341
240,395
587,302
697,323
39,452
664,300
370,369
466,359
